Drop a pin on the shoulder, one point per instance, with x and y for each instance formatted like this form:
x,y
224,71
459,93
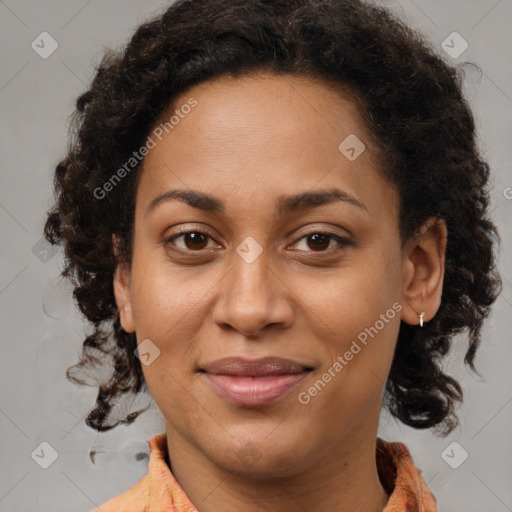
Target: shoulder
x,y
135,499
155,492
402,480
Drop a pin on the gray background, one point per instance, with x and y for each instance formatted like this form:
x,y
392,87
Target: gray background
x,y
42,333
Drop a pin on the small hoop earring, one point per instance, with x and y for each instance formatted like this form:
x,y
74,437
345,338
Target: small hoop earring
x,y
421,315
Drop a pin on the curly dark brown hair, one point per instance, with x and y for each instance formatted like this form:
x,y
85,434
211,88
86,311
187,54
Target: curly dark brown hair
x,y
413,104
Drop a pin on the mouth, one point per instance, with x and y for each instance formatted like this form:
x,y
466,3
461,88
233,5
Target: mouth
x,y
254,382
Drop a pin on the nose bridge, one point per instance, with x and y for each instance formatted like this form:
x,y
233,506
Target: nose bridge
x,y
251,272
251,296
251,282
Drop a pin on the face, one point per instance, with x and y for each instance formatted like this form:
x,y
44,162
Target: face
x,y
285,254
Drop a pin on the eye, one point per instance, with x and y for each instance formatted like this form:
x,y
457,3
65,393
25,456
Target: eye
x,y
193,240
319,241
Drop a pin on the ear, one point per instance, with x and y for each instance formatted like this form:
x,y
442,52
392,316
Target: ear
x,y
122,292
424,266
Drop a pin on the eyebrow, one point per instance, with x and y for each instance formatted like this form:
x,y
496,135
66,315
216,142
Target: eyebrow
x,y
285,204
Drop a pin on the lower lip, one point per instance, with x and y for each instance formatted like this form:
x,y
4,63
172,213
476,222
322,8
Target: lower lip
x,y
252,391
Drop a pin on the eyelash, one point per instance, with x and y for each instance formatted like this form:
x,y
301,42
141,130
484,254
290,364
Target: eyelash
x,y
342,242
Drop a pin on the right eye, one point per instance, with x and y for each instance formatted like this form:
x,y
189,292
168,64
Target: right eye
x,y
192,241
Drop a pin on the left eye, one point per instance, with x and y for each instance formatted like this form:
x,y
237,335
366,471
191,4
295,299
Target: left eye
x,y
321,241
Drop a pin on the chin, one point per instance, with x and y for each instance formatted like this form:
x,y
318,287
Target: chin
x,y
262,457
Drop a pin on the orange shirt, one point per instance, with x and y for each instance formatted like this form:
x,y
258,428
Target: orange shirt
x,y
159,491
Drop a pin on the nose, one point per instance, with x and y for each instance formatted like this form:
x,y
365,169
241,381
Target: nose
x,y
252,296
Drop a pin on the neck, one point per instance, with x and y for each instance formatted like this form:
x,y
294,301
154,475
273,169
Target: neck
x,y
345,479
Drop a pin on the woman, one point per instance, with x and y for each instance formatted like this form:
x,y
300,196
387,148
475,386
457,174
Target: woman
x,y
278,213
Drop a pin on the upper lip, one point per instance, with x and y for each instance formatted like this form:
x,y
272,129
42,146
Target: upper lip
x,y
241,366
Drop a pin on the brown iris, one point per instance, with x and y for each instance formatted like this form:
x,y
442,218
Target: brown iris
x,y
320,240
197,240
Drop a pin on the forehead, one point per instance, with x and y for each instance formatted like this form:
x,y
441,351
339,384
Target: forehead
x,y
263,135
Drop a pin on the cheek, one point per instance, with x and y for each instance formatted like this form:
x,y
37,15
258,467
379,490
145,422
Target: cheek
x,y
166,309
163,297
354,297
362,329
359,312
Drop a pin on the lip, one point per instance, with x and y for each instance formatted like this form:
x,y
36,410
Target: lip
x,y
253,382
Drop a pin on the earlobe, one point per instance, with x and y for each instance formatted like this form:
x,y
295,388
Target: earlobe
x,y
122,292
424,268
123,296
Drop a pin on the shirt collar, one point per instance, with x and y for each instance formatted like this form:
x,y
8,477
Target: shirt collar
x,y
403,482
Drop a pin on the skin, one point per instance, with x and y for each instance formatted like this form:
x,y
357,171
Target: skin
x,y
248,141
